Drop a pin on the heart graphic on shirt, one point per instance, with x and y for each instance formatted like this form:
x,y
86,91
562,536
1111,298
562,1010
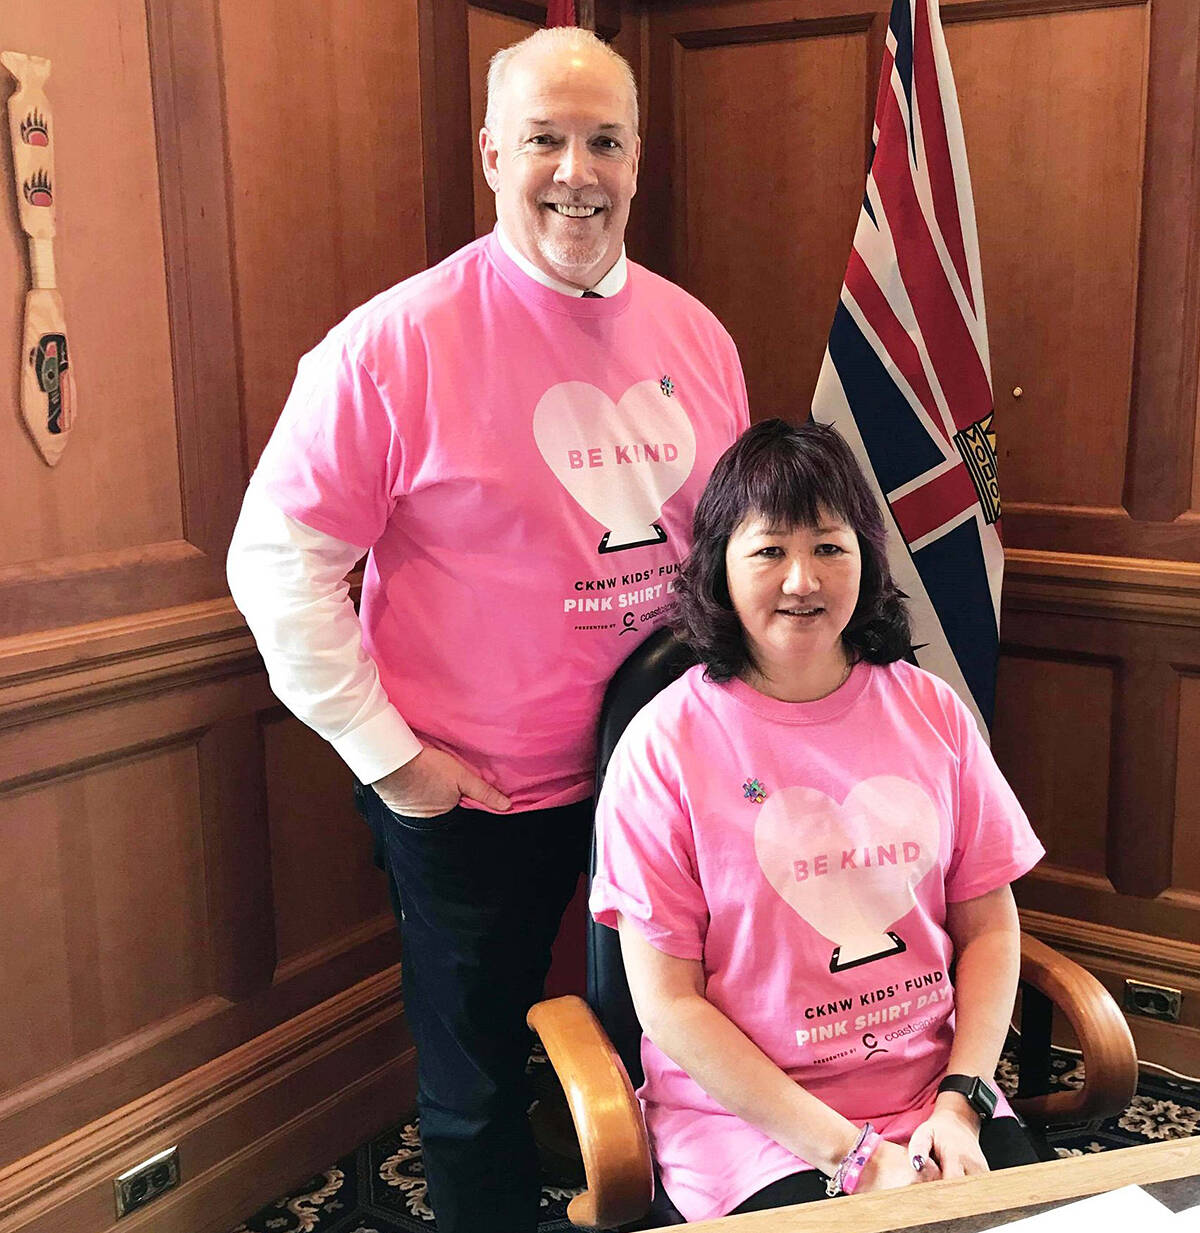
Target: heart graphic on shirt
x,y
620,461
851,869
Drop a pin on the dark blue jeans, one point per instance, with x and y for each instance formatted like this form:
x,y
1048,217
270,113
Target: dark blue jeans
x,y
479,898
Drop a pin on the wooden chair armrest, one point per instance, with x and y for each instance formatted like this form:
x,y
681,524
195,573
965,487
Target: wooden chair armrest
x,y
606,1113
1109,1056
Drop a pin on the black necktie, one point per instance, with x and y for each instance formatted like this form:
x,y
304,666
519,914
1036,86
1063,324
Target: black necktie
x,y
592,295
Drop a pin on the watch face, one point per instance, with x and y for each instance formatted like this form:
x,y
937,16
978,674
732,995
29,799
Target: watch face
x,y
983,1098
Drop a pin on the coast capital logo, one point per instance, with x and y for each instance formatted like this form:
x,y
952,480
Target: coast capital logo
x,y
850,869
620,461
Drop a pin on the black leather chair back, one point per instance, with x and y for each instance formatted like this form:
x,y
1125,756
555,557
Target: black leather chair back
x,y
652,666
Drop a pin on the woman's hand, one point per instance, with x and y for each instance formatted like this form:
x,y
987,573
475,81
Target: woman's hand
x,y
890,1167
950,1140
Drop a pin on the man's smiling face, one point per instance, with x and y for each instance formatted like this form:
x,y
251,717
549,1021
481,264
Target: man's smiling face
x,y
563,161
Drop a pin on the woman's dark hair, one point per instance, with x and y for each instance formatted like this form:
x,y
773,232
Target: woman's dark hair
x,y
787,476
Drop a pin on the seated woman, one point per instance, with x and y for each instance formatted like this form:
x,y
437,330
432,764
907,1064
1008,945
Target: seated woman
x,y
807,849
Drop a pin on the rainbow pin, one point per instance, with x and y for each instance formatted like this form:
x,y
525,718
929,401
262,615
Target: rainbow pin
x,y
754,792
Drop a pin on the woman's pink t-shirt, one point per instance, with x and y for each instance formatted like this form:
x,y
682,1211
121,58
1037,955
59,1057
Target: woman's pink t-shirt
x,y
804,853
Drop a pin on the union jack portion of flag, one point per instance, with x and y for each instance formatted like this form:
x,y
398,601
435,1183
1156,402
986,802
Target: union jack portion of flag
x,y
906,377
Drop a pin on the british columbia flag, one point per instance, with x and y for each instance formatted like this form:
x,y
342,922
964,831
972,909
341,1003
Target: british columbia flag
x,y
906,378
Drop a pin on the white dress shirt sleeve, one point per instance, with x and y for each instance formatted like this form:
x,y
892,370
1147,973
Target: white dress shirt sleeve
x,y
289,582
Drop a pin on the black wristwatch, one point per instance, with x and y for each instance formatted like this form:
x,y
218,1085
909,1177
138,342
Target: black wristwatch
x,y
980,1094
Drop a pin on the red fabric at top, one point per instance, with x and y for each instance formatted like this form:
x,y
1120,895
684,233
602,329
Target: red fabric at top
x,y
937,148
560,13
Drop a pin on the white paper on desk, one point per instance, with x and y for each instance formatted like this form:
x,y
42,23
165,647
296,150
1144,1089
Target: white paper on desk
x,y
1117,1209
1187,1221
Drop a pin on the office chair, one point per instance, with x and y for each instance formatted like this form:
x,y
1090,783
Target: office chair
x,y
594,1046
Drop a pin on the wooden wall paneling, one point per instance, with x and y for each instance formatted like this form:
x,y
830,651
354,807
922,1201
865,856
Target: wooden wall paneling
x,y
1062,784
77,740
1094,762
324,884
630,41
1069,896
160,464
1186,855
61,1060
489,31
770,135
34,1032
1142,617
246,1123
124,947
115,294
1142,809
139,903
185,75
64,670
652,213
152,566
116,795
446,137
371,85
1056,185
237,857
682,241
135,929
1164,394
179,561
93,706
325,176
1157,454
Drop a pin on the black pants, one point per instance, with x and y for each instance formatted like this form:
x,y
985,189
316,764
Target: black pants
x,y
1002,1139
479,898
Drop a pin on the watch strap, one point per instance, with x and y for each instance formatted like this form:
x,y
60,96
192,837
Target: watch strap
x,y
980,1094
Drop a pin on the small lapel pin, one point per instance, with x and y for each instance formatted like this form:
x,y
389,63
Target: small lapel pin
x,y
667,385
754,792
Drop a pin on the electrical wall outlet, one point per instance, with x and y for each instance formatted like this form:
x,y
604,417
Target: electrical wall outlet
x,y
1153,1001
137,1186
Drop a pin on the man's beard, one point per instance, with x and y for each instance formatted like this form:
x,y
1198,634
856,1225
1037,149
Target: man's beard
x,y
572,254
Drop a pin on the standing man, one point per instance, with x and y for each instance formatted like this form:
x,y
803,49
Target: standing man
x,y
518,436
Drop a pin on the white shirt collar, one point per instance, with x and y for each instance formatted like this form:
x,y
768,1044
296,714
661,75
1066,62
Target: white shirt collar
x,y
610,284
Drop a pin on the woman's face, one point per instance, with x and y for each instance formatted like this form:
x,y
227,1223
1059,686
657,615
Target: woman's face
x,y
794,590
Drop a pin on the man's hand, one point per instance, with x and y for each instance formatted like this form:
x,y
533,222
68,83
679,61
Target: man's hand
x,y
950,1138
433,783
890,1167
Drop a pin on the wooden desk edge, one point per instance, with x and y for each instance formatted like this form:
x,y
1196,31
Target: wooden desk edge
x,y
1074,1177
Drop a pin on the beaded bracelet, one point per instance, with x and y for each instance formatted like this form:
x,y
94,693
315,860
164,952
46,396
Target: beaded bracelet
x,y
846,1176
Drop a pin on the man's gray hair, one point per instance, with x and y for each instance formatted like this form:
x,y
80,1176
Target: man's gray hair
x,y
557,38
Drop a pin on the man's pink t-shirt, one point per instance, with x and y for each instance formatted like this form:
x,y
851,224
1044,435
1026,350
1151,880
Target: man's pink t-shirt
x,y
804,853
524,466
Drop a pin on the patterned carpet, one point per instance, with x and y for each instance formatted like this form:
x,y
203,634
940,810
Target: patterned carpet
x,y
380,1187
